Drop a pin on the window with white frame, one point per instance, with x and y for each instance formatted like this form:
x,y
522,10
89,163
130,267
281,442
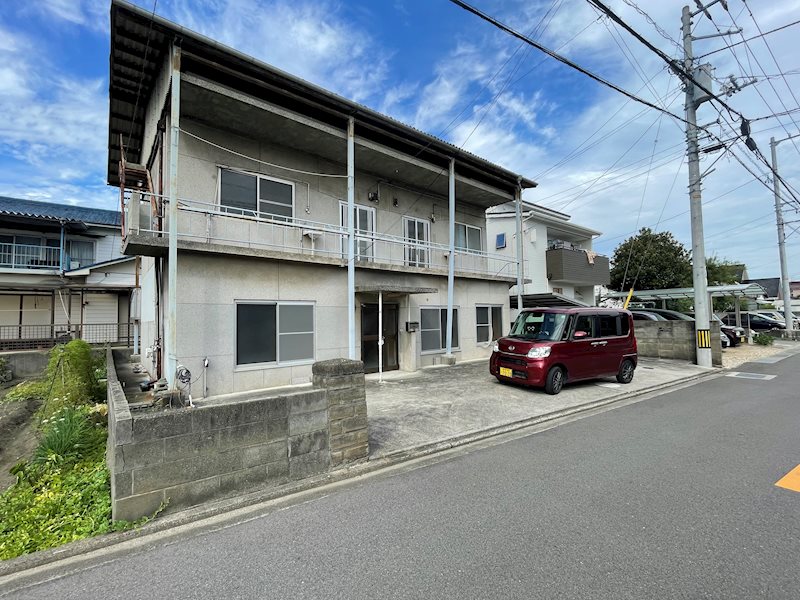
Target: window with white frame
x,y
274,333
418,236
433,328
468,238
257,195
489,323
81,252
500,241
365,231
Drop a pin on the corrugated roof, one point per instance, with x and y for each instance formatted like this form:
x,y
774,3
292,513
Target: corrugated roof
x,y
135,65
52,211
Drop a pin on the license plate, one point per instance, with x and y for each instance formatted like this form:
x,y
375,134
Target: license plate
x,y
504,372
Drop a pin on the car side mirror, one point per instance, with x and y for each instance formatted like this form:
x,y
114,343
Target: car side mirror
x,y
579,334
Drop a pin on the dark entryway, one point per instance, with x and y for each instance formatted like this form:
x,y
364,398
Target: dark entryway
x,y
369,337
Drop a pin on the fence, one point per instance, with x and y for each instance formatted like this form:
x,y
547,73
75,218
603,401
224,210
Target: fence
x,y
21,256
34,337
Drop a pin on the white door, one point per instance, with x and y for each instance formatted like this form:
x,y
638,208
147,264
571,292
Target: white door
x,y
365,231
418,237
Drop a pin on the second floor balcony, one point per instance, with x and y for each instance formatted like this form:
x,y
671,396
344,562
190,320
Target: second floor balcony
x,y
205,227
567,263
27,256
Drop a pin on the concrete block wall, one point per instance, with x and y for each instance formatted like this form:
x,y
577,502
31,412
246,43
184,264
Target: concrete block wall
x,y
674,340
343,382
182,457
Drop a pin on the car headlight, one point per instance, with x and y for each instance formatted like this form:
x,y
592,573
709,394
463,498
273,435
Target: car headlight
x,y
496,347
540,352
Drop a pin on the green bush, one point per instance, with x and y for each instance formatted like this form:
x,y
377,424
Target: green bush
x,y
63,494
67,435
27,390
762,339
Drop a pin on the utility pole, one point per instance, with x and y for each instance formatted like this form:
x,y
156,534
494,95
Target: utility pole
x,y
785,291
702,310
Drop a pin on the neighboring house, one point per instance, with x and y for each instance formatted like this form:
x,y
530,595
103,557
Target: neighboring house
x,y
560,267
62,275
772,285
739,272
260,266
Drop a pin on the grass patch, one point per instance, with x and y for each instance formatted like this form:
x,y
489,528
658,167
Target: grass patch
x,y
62,494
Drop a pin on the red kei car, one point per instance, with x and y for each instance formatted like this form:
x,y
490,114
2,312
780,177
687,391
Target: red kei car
x,y
548,347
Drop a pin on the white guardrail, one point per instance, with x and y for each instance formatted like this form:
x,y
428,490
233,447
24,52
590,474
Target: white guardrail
x,y
211,223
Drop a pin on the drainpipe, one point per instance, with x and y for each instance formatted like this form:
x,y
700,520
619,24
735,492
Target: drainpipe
x,y
61,249
380,337
172,256
518,199
351,259
451,264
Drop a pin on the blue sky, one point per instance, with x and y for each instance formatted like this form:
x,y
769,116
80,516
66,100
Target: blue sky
x,y
608,162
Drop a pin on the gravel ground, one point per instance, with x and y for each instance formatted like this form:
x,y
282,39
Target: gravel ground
x,y
733,357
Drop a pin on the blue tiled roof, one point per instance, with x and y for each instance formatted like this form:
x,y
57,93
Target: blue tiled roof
x,y
50,210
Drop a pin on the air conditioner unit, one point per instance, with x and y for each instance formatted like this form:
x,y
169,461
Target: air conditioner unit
x,y
74,264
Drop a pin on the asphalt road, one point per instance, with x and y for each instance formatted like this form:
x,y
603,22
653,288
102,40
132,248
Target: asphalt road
x,y
671,497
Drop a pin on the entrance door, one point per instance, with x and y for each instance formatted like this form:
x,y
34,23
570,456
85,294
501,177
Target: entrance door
x,y
369,337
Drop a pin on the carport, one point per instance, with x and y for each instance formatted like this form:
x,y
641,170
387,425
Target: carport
x,y
738,290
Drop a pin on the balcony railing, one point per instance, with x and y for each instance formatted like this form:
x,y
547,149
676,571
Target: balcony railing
x,y
32,337
211,223
20,256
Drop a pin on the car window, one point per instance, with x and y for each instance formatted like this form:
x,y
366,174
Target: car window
x,y
607,325
539,326
624,326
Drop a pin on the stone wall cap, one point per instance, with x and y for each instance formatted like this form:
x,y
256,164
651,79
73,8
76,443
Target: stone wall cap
x,y
337,366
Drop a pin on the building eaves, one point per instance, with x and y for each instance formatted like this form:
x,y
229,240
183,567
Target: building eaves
x,y
51,211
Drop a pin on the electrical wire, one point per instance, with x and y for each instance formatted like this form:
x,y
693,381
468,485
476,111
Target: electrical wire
x,y
755,37
259,161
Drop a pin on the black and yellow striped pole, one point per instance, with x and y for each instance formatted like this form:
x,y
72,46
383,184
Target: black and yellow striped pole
x,y
704,338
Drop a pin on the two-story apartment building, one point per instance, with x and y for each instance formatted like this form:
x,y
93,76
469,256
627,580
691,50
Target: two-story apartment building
x,y
238,184
62,275
559,264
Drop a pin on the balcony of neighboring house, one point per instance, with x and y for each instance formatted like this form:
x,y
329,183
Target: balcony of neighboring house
x,y
212,228
568,263
36,253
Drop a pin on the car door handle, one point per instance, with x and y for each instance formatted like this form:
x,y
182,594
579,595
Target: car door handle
x,y
599,343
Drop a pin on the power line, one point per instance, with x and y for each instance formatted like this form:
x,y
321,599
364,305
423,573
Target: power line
x,y
744,41
558,57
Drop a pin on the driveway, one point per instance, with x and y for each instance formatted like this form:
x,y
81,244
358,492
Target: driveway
x,y
408,410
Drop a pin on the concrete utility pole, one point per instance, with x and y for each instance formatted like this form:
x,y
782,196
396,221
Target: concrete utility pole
x,y
351,239
172,253
702,310
785,291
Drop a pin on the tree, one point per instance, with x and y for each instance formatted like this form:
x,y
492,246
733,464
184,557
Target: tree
x,y
652,260
721,271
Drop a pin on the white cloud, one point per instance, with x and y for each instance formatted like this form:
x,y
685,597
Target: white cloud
x,y
308,39
92,14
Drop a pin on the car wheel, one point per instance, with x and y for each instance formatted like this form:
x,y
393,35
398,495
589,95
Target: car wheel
x,y
626,369
555,381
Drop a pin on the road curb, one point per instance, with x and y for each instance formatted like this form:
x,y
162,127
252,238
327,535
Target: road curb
x,y
378,463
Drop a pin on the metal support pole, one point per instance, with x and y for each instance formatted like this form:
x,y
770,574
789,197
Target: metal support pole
x,y
351,231
520,265
172,254
451,263
380,337
699,275
785,291
62,247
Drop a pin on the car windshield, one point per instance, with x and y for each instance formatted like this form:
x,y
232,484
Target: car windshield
x,y
539,325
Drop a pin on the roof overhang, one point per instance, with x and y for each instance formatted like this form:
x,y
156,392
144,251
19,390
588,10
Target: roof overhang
x,y
390,288
742,290
140,43
546,300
